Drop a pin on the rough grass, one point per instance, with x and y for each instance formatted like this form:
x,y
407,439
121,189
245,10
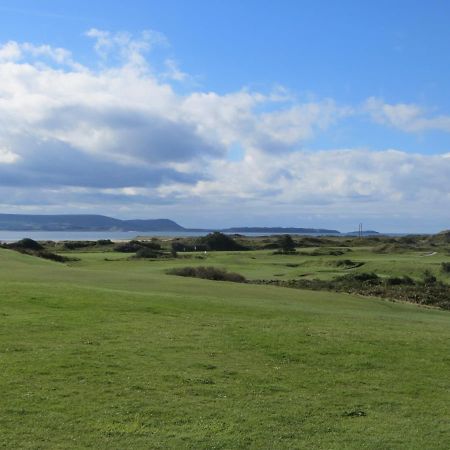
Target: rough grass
x,y
116,354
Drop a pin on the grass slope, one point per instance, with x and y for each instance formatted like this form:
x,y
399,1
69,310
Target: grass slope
x,y
116,354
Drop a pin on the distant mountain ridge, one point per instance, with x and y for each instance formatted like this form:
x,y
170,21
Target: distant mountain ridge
x,y
82,222
95,222
286,230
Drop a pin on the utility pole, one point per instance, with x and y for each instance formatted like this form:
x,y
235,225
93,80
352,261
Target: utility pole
x,y
360,231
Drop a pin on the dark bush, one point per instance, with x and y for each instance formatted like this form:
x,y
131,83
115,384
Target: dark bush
x,y
151,245
286,244
146,252
220,242
53,256
128,247
208,273
429,278
73,245
398,281
345,262
26,244
102,242
394,281
182,246
134,246
445,267
361,277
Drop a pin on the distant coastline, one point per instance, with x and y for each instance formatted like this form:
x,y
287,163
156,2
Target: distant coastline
x,y
99,225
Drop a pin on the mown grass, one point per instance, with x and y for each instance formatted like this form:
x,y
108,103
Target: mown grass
x,y
117,354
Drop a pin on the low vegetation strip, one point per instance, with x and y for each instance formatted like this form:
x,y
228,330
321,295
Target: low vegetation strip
x,y
208,273
428,291
30,247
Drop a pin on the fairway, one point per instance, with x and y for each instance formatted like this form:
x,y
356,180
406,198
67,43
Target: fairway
x,y
119,355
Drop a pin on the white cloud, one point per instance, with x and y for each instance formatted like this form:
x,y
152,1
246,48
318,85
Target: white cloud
x,y
405,116
8,157
14,52
125,47
173,71
10,51
118,138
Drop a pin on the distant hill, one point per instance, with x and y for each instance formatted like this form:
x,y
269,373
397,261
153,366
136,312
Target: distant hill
x,y
95,222
364,233
269,230
82,222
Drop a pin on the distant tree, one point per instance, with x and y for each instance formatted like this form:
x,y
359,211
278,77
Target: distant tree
x,y
286,243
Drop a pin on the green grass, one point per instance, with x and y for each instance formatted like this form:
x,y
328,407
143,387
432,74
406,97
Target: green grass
x,y
119,355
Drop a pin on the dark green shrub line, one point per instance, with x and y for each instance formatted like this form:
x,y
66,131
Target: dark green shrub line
x,y
208,273
30,247
135,246
212,242
428,291
76,245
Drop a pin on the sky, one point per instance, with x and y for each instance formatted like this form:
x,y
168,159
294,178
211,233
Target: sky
x,y
238,113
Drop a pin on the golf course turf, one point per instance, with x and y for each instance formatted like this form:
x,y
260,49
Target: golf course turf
x,y
113,353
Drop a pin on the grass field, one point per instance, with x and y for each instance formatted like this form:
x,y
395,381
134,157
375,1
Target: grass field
x,y
119,355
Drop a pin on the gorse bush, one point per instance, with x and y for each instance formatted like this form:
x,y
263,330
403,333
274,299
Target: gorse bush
x,y
25,244
134,246
146,252
30,247
220,242
208,273
286,244
428,291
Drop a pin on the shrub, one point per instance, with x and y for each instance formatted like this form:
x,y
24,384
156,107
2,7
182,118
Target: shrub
x,y
445,267
361,277
220,242
102,242
53,256
73,245
182,246
154,245
146,252
429,278
394,281
286,243
128,247
26,244
208,273
345,262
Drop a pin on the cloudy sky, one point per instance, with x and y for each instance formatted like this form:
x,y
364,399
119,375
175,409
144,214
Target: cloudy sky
x,y
213,113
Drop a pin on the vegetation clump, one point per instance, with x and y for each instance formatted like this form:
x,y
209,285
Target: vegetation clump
x,y
220,242
134,246
25,244
208,273
147,252
30,247
428,291
346,263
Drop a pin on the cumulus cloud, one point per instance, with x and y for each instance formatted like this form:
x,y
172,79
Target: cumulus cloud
x,y
405,116
124,117
116,137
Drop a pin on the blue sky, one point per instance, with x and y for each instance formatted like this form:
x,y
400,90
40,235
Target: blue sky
x,y
228,113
